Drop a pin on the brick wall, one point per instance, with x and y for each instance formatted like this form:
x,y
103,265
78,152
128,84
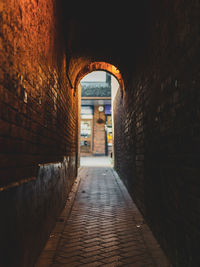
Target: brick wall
x,y
157,131
38,127
99,132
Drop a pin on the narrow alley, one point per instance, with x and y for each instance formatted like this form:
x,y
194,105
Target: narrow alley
x,y
104,227
142,110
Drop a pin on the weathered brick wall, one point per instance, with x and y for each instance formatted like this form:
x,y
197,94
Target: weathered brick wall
x,y
157,132
38,127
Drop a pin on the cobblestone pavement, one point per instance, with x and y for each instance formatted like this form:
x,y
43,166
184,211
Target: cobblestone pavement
x,y
105,227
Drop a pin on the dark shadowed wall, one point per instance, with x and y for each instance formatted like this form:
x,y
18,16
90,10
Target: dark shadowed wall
x,y
157,132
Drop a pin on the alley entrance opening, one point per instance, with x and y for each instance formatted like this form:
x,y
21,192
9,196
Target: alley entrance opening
x,y
98,90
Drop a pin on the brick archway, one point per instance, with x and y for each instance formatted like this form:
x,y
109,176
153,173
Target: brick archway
x,y
104,66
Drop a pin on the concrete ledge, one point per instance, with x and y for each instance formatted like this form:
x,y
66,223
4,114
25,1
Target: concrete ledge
x,y
46,257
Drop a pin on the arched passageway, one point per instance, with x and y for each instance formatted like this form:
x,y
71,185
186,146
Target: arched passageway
x,y
94,66
46,47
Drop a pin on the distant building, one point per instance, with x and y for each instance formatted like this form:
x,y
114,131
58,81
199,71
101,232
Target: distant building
x,y
96,117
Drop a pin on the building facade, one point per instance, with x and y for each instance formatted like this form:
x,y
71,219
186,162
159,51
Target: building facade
x,y
96,116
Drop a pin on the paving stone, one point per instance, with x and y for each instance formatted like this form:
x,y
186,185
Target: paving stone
x,y
113,259
93,264
90,254
110,253
92,244
91,259
89,249
110,244
91,240
63,260
110,249
114,264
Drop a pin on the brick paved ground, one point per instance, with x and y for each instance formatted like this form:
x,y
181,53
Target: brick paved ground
x,y
104,228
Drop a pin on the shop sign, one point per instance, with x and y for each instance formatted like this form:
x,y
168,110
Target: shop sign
x,y
87,110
